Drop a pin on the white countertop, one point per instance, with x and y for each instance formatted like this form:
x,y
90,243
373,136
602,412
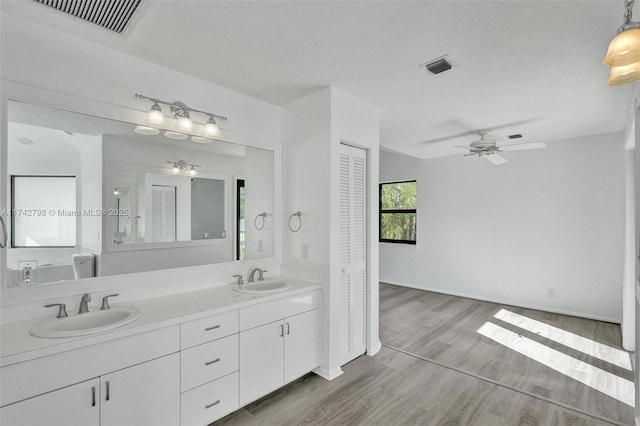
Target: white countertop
x,y
17,345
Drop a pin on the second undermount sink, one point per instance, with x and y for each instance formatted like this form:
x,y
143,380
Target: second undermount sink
x,y
85,324
269,286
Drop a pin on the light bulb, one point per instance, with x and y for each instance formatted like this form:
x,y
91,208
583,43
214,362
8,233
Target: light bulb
x,y
184,122
155,116
625,74
211,129
176,169
192,172
624,49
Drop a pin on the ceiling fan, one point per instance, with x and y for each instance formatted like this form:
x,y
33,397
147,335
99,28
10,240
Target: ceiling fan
x,y
487,148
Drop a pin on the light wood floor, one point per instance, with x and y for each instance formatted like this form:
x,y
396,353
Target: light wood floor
x,y
436,369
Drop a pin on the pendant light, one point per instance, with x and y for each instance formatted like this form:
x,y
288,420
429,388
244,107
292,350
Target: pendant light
x,y
623,55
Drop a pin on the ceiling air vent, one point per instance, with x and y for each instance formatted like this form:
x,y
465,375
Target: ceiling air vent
x,y
439,65
113,15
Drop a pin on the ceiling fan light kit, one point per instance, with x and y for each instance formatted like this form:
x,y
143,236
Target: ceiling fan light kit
x,y
623,55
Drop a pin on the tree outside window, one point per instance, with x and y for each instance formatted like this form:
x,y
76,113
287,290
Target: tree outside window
x,y
398,212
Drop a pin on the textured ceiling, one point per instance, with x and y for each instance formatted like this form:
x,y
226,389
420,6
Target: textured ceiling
x,y
530,67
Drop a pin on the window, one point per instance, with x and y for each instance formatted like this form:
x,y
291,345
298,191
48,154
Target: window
x,y
43,211
398,212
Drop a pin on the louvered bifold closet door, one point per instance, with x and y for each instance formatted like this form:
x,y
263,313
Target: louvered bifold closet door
x,y
352,252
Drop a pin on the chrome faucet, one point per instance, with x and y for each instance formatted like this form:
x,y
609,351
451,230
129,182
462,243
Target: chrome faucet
x,y
84,303
252,274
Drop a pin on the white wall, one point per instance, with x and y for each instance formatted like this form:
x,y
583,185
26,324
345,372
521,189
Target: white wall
x,y
313,128
550,218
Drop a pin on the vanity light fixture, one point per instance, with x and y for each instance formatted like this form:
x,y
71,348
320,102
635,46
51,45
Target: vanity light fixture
x,y
623,55
211,129
183,124
155,117
180,165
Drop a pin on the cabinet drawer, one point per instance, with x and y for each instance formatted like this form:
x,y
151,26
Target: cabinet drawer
x,y
207,362
263,313
207,329
207,403
40,375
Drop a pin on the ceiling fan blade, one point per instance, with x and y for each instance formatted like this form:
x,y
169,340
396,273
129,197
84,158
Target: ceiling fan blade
x,y
523,146
460,146
445,159
495,159
445,138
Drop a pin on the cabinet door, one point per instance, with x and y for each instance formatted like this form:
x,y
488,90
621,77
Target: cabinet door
x,y
76,405
261,361
147,394
300,345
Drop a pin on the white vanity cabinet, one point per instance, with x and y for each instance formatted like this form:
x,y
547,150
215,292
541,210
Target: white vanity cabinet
x,y
190,373
144,395
273,353
76,405
129,381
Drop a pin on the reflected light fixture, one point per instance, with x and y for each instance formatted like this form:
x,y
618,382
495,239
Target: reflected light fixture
x,y
623,55
183,121
155,117
211,129
180,165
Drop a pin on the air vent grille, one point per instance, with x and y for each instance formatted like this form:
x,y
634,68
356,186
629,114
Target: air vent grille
x,y
439,65
113,15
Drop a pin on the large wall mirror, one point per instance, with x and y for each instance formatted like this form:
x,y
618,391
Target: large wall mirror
x,y
91,197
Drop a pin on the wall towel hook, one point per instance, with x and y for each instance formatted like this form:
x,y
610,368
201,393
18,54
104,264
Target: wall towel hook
x,y
259,224
299,215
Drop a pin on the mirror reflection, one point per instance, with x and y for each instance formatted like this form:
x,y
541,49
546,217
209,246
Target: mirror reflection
x,y
90,197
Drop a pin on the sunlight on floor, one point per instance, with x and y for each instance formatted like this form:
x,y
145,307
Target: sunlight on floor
x,y
606,353
596,378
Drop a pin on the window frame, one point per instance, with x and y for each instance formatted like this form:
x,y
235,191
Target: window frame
x,y
13,208
382,211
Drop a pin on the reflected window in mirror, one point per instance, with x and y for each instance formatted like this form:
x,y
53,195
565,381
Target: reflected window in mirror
x,y
240,196
43,211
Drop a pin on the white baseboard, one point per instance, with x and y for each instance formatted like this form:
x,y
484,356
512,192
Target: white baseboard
x,y
506,302
375,348
328,375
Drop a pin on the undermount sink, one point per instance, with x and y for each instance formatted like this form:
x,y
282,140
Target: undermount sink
x,y
261,287
85,324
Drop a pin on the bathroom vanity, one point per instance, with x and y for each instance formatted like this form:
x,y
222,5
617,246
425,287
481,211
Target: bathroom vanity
x,y
189,359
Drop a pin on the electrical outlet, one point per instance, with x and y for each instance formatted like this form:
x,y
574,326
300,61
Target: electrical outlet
x,y
305,250
551,292
27,273
259,246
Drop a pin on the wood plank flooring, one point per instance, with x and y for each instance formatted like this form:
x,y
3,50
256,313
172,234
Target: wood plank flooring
x,y
501,387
